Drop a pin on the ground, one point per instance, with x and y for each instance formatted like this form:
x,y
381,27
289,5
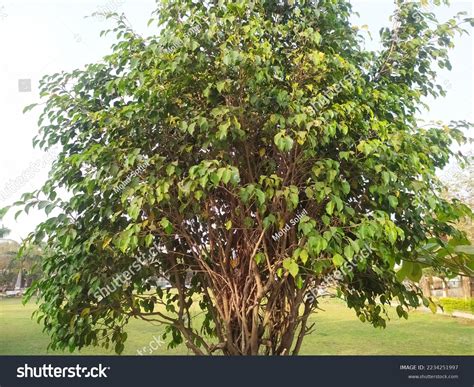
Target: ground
x,y
337,332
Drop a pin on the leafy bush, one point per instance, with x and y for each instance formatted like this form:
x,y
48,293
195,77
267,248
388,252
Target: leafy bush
x,y
452,304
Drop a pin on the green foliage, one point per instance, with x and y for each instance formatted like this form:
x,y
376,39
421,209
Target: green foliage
x,y
245,113
459,304
4,231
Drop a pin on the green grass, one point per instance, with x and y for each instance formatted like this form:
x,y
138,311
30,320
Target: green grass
x,y
337,332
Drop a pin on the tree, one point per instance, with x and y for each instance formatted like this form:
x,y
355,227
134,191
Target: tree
x,y
253,149
10,264
459,180
8,250
4,232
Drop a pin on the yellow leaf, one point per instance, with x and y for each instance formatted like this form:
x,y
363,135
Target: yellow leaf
x,y
106,242
301,137
433,307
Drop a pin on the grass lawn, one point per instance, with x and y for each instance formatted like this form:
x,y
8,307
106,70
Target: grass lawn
x,y
338,332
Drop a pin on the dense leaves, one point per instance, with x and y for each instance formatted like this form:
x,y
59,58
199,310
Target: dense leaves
x,y
246,114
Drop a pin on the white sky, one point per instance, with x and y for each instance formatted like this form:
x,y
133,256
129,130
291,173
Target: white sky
x,y
45,36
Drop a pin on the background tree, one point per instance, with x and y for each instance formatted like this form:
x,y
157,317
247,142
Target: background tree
x,y
245,114
11,264
8,250
4,232
459,180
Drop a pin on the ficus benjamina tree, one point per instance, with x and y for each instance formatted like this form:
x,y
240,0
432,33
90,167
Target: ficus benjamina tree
x,y
239,116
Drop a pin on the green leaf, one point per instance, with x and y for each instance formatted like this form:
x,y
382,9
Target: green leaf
x,y
416,273
220,86
119,347
49,208
3,211
29,107
349,252
259,258
292,267
393,201
330,207
346,188
149,240
299,282
260,196
283,142
294,199
404,271
166,225
464,249
304,256
268,221
223,130
338,260
226,176
317,244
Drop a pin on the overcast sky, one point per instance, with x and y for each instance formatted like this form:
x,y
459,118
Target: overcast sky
x,y
44,36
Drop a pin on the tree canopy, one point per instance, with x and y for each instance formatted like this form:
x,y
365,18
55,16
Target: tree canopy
x,y
229,123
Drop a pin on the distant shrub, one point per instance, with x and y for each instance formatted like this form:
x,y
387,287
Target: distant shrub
x,y
452,304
